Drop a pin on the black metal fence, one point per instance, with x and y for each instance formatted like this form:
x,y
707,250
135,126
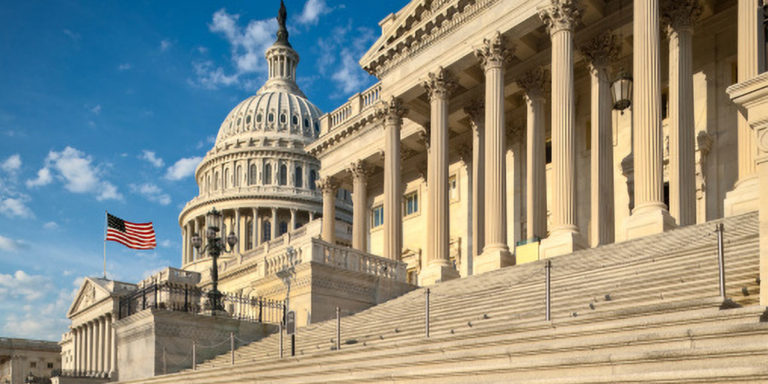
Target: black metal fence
x,y
195,300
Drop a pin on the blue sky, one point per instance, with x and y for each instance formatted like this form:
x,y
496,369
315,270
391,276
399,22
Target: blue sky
x,y
111,104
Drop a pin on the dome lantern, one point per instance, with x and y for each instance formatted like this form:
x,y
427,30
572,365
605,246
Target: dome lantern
x,y
282,60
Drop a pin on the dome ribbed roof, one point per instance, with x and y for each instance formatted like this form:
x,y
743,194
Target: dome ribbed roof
x,y
272,111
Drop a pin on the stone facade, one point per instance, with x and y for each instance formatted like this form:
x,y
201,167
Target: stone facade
x,y
21,359
513,100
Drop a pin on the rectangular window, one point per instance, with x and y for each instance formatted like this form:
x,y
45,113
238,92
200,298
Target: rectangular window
x,y
377,216
548,151
411,203
33,365
453,188
50,365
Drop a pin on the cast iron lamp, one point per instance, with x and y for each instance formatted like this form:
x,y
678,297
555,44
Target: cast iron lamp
x,y
215,247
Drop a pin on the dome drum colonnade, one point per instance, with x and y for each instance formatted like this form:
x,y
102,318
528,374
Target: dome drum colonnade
x,y
599,51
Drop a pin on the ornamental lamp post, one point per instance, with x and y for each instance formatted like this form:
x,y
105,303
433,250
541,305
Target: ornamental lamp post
x,y
215,247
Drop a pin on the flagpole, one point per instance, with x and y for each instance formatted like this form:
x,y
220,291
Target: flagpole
x,y
105,243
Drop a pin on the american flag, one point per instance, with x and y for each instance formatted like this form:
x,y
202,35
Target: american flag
x,y
132,235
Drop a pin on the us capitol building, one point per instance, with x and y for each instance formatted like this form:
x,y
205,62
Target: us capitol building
x,y
502,133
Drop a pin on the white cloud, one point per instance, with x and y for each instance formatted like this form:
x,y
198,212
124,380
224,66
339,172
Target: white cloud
x,y
77,171
313,9
152,158
10,245
15,207
338,59
46,319
96,109
152,193
20,284
11,164
208,140
51,225
247,46
183,168
124,67
43,178
165,44
166,243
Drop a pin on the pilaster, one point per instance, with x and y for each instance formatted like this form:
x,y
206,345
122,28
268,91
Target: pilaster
x,y
650,215
560,17
493,55
600,53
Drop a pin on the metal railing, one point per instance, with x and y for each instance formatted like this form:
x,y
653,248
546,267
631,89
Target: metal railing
x,y
195,300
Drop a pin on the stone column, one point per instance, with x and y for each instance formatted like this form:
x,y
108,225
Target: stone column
x,y
745,196
311,215
113,361
533,83
560,17
100,351
91,347
184,237
293,220
255,230
196,231
493,55
439,86
108,345
359,172
679,16
476,113
329,187
599,53
650,214
78,348
236,229
274,224
392,114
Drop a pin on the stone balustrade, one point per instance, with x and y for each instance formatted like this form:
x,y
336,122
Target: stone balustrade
x,y
357,261
356,104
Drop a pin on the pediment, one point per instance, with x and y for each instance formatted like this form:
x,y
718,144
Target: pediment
x,y
90,293
399,31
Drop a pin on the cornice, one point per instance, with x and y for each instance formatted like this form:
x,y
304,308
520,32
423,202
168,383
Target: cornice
x,y
368,118
439,19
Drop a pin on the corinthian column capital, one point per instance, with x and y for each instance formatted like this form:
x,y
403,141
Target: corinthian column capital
x,y
560,15
680,14
359,170
476,112
439,84
533,82
327,184
391,111
494,52
601,51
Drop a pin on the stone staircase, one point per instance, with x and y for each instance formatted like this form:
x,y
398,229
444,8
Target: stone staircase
x,y
645,310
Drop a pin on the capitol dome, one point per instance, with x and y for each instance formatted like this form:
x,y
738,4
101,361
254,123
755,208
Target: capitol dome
x,y
258,173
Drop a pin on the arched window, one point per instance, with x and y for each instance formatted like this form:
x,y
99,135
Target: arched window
x,y
238,175
225,182
266,234
216,181
283,227
283,175
208,183
268,174
298,178
253,175
312,179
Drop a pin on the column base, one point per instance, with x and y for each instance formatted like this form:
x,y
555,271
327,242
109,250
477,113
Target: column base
x,y
561,243
648,222
493,258
436,273
745,197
